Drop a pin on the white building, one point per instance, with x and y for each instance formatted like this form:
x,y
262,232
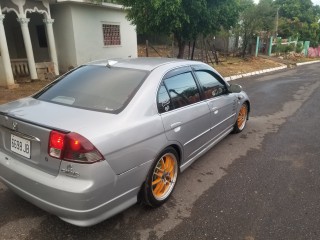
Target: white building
x,y
39,36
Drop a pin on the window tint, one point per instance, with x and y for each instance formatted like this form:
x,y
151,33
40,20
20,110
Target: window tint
x,y
182,89
96,88
164,102
212,87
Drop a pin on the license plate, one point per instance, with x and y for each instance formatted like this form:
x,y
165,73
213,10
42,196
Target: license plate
x,y
20,146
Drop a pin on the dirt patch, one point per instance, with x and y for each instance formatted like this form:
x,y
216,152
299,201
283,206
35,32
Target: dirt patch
x,y
236,66
25,89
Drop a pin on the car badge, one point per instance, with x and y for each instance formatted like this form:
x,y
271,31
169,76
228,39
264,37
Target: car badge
x,y
15,126
70,172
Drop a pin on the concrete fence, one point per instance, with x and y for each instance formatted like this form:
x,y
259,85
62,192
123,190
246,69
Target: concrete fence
x,y
314,52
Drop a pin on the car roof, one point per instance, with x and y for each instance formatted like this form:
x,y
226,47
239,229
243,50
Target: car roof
x,y
140,63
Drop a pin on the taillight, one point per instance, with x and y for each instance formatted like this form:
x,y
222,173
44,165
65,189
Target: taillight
x,y
73,147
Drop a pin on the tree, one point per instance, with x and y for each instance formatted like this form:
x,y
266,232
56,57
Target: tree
x,y
267,10
249,24
185,19
299,18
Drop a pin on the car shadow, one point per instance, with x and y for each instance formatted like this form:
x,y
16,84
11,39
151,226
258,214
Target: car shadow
x,y
13,208
122,226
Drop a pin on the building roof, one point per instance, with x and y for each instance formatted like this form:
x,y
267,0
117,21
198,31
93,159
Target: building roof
x,y
96,3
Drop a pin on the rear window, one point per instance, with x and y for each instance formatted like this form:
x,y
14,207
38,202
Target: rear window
x,y
95,88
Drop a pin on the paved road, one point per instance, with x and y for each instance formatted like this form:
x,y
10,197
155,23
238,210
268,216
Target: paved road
x,y
263,183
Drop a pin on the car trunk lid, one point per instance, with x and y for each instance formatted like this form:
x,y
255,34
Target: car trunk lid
x,y
25,127
27,143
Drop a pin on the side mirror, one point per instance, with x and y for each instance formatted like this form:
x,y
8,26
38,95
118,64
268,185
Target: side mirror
x,y
235,88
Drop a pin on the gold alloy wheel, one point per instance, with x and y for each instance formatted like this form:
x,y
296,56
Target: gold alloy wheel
x,y
242,117
164,176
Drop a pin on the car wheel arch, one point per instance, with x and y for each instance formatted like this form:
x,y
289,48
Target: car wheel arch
x,y
249,108
178,149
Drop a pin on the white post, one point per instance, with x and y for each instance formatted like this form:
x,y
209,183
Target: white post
x,y
5,53
27,43
52,45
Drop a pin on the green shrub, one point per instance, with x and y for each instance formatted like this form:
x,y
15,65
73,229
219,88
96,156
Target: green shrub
x,y
299,47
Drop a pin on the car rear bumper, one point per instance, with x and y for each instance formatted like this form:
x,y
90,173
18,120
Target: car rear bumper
x,y
95,194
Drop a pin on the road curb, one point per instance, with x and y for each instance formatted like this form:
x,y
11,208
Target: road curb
x,y
234,77
231,78
305,63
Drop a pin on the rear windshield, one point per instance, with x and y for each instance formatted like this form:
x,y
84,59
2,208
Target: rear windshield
x,y
95,87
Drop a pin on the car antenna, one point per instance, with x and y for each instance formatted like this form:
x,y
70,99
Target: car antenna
x,y
110,63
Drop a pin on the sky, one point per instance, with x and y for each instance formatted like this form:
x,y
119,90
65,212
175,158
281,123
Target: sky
x,y
316,2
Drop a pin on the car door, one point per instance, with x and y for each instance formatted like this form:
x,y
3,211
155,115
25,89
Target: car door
x,y
185,117
222,104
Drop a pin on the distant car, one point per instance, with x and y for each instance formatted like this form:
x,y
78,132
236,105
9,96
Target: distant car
x,y
110,133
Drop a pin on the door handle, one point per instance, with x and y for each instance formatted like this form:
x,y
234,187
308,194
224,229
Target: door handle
x,y
176,124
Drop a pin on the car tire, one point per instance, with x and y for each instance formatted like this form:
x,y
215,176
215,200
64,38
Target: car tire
x,y
161,178
241,119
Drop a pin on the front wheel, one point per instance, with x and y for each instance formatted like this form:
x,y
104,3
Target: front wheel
x,y
162,178
241,119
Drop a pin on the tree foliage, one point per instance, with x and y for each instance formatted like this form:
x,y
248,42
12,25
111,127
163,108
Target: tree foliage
x,y
248,24
185,19
296,18
299,18
266,10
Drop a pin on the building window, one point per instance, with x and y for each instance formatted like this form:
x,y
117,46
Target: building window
x,y
111,34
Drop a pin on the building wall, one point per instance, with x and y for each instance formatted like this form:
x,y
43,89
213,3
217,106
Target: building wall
x,y
87,23
79,36
64,36
41,54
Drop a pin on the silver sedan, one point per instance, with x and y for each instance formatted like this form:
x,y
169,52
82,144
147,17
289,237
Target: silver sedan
x,y
110,133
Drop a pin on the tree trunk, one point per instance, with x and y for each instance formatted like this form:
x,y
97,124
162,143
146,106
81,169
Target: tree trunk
x,y
172,47
244,45
147,48
202,41
205,51
244,51
214,52
193,46
181,46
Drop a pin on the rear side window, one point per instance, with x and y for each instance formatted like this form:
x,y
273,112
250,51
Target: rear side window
x,y
96,88
182,89
212,87
164,102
